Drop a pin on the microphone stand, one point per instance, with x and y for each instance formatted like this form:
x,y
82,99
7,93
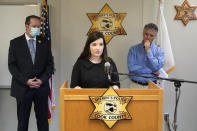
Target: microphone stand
x,y
177,84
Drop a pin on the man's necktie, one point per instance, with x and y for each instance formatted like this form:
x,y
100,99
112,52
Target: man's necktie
x,y
32,49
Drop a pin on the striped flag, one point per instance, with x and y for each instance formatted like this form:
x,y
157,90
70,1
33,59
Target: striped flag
x,y
163,39
45,30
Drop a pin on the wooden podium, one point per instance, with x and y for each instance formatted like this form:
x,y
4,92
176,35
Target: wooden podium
x,y
146,110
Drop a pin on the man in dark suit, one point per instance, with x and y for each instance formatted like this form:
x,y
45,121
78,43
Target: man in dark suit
x,y
30,63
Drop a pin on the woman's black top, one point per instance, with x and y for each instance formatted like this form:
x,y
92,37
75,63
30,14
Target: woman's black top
x,y
89,75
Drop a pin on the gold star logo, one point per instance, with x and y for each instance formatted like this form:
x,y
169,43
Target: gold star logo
x,y
110,107
185,12
107,22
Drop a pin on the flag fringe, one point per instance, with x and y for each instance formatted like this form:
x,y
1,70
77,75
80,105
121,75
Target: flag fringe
x,y
172,68
53,107
49,120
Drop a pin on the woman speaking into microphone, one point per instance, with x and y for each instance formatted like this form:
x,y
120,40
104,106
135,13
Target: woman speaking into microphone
x,y
93,68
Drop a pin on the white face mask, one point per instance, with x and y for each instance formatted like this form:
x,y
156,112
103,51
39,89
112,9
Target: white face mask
x,y
34,31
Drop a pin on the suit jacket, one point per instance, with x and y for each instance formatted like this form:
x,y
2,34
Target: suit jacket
x,y
22,68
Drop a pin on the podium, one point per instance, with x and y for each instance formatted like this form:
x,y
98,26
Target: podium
x,y
146,109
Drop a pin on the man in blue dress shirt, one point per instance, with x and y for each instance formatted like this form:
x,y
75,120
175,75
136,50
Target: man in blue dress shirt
x,y
145,58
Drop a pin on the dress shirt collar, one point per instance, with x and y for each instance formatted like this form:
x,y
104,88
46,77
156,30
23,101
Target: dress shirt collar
x,y
28,38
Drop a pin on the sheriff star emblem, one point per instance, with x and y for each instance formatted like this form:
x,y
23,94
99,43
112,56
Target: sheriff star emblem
x,y
110,107
185,12
107,22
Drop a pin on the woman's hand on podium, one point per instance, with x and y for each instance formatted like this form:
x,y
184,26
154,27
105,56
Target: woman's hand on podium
x,y
115,87
77,87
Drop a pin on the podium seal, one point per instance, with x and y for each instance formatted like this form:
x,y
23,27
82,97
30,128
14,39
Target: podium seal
x,y
110,107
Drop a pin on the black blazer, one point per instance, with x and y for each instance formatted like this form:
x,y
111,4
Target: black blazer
x,y
89,75
22,68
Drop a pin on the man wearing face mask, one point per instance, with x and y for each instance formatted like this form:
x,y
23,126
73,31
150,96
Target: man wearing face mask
x,y
145,58
30,63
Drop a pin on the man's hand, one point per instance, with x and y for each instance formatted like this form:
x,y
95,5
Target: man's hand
x,y
147,45
34,83
31,82
38,82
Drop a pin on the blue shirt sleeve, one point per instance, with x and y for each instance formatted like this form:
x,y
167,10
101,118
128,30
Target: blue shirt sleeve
x,y
134,65
156,61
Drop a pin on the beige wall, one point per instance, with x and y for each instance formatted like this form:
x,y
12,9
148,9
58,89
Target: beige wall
x,y
183,39
69,26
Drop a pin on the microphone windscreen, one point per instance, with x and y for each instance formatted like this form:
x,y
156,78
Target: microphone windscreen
x,y
107,64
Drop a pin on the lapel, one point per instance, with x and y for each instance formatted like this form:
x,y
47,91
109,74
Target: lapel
x,y
39,43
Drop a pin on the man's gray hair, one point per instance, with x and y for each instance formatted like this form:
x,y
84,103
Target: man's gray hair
x,y
151,26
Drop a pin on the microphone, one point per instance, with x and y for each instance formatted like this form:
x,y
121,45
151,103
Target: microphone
x,y
107,67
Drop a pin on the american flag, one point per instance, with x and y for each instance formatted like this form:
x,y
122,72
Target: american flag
x,y
45,31
45,28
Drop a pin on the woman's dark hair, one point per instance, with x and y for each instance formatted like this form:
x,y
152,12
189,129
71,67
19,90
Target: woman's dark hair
x,y
91,38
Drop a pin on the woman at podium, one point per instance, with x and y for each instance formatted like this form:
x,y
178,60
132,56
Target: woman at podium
x,y
93,68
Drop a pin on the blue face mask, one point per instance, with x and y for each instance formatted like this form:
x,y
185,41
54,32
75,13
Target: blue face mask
x,y
34,31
